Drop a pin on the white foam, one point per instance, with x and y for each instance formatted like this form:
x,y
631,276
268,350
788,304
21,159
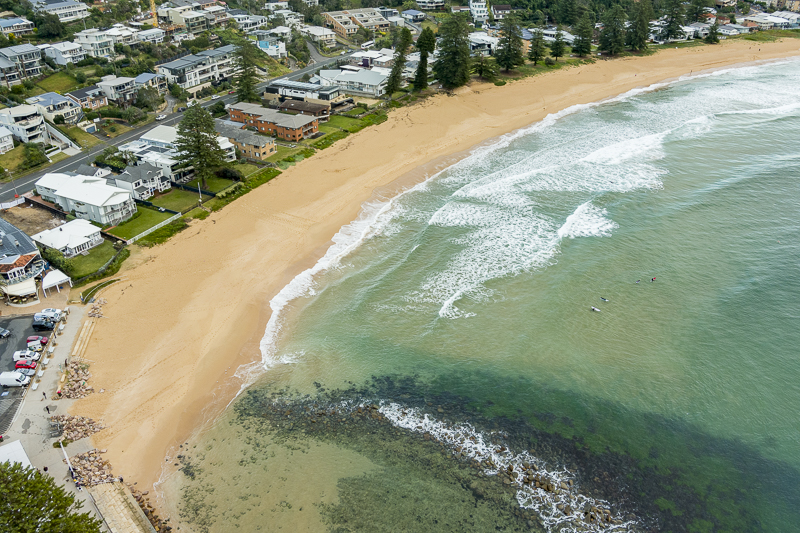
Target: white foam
x,y
465,441
587,221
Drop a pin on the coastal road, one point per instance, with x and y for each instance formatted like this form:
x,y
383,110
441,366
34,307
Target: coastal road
x,y
25,184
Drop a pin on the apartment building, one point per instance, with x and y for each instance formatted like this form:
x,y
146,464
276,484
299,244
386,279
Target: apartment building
x,y
89,98
155,36
65,10
88,197
16,26
428,5
18,63
52,105
346,23
119,90
478,11
250,144
95,42
64,52
26,123
271,121
323,36
193,72
121,34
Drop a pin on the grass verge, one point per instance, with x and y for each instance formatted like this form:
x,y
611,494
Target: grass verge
x,y
91,291
143,220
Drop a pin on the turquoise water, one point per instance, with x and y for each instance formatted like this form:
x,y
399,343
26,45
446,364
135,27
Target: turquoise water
x,y
468,297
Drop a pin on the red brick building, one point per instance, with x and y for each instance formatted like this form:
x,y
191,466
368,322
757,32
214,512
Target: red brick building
x,y
270,121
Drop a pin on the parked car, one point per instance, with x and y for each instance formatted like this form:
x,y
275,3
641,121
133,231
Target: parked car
x,y
43,325
41,340
26,354
13,379
161,117
49,314
214,96
27,371
4,333
181,109
26,363
231,92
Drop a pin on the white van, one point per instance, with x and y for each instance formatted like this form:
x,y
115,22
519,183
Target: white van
x,y
14,379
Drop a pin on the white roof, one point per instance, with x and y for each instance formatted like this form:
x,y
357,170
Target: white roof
x,y
161,134
69,235
66,46
93,191
13,452
53,278
318,30
4,132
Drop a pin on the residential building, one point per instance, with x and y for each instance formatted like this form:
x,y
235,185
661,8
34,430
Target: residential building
x,y
250,145
373,58
482,43
75,237
219,13
322,36
478,11
249,22
360,82
727,31
121,34
311,3
429,5
550,35
146,79
157,147
89,98
397,21
16,26
281,32
793,18
196,22
65,10
95,42
189,16
155,36
459,9
303,91
282,125
290,18
53,105
64,52
500,11
18,63
87,197
387,12
6,140
301,107
25,122
726,3
92,171
273,46
346,23
793,5
119,90
274,6
412,15
142,181
20,261
193,72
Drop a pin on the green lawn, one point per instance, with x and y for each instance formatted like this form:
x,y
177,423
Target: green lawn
x,y
283,152
85,265
60,82
179,199
213,184
119,129
86,140
147,219
247,169
13,158
346,123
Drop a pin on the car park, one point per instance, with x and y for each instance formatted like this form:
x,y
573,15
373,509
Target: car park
x,y
43,325
38,338
26,354
161,117
26,363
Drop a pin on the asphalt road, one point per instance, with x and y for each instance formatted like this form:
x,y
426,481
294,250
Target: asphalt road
x,y
10,397
25,184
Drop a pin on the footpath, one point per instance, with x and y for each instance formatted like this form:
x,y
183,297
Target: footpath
x,y
111,502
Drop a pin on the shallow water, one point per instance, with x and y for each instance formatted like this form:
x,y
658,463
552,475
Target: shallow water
x,y
467,299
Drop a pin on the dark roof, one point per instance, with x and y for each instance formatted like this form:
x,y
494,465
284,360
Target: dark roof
x,y
231,131
501,7
86,170
145,171
10,235
80,94
300,105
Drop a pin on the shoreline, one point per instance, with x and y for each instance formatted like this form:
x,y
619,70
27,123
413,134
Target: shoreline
x,y
194,310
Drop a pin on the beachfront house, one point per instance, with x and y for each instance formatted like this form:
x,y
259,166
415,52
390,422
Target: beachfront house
x,y
75,237
360,82
20,264
142,181
273,122
249,144
86,197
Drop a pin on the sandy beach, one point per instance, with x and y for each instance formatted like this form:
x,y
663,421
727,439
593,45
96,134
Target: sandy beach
x,y
192,311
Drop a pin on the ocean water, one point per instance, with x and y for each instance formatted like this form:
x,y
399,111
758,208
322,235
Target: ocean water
x,y
441,369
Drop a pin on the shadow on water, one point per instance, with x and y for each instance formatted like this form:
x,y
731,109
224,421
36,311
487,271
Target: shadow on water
x,y
669,475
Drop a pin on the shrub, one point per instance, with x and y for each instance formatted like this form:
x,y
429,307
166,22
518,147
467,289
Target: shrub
x,y
229,173
59,120
80,77
112,129
549,61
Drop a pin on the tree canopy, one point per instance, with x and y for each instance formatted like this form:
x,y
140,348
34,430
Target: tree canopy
x,y
32,502
453,64
674,14
558,48
713,34
246,78
509,53
638,32
396,74
426,44
538,48
612,37
582,45
197,143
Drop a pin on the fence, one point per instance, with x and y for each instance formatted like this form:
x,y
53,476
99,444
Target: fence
x,y
13,203
101,270
55,132
154,206
151,230
193,189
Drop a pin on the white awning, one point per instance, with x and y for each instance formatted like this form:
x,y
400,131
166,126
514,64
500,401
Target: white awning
x,y
25,288
54,278
13,452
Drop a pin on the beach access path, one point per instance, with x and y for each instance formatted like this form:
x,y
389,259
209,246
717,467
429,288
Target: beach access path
x,y
194,309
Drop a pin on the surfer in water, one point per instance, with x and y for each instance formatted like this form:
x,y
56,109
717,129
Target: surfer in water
x,y
593,308
638,280
604,299
652,280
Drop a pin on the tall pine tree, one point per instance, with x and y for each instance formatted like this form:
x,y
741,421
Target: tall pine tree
x,y
197,144
558,47
509,53
538,47
396,75
713,34
582,45
246,77
674,14
453,63
638,28
426,44
612,37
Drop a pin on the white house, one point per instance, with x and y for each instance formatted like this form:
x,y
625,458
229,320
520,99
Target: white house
x,y
65,10
64,52
95,42
320,35
478,11
88,197
53,105
72,238
361,82
6,140
121,34
120,90
427,5
26,123
482,44
155,36
142,181
16,26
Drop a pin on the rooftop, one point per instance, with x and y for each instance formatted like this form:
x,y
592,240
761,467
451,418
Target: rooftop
x,y
13,241
85,92
70,235
273,116
233,130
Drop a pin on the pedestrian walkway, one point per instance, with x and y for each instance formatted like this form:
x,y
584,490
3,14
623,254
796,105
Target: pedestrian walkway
x,y
121,512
